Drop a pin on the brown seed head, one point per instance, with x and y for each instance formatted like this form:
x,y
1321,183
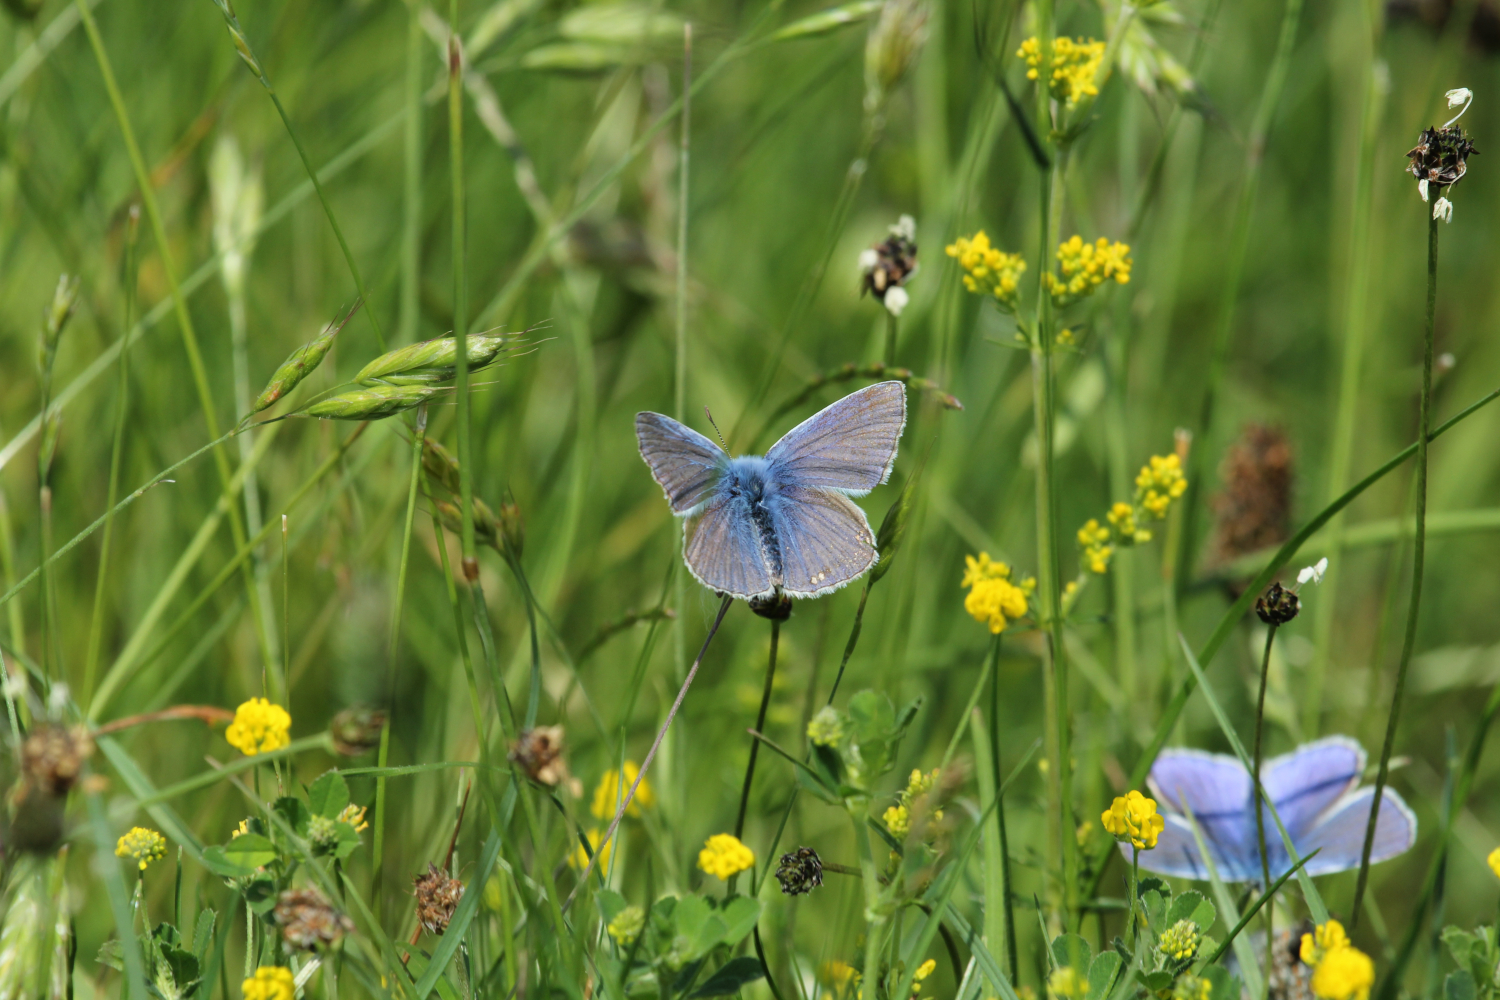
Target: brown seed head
x,y
356,729
539,751
800,872
1254,510
308,921
777,607
437,898
1277,605
890,262
52,756
1440,156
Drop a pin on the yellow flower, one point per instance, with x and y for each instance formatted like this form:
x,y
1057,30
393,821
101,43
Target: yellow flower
x,y
579,859
1160,482
1494,860
826,729
1094,538
1191,987
627,925
837,976
1074,66
1065,337
723,855
988,271
1086,266
1180,941
270,982
993,598
1066,984
1344,974
898,821
1324,938
355,816
141,845
240,830
1122,516
608,794
1133,817
923,971
258,727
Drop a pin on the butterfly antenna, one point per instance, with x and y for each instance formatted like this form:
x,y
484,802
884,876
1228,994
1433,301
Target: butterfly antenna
x,y
710,416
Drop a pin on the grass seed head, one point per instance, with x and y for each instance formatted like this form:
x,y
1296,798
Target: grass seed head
x,y
300,364
59,311
372,403
431,361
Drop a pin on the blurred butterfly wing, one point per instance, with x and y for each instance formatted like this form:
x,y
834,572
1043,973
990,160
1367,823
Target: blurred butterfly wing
x,y
722,548
824,539
684,463
1310,779
1176,853
1216,789
1340,833
849,446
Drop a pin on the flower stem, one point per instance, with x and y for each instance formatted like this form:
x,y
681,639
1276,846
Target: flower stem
x,y
892,325
1260,808
999,780
1419,547
760,727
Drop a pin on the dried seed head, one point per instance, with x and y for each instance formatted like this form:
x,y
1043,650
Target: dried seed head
x,y
1440,157
776,608
888,264
437,898
1277,605
800,872
486,527
52,756
308,921
432,361
539,751
892,46
356,729
300,363
373,403
1255,509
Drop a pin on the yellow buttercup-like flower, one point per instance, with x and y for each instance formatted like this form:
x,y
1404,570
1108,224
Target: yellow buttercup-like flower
x,y
270,982
1494,861
141,845
993,597
988,271
1075,66
723,855
1086,266
579,859
259,727
1324,938
1133,818
1344,974
608,794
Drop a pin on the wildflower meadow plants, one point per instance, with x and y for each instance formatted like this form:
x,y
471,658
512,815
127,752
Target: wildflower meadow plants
x,y
952,641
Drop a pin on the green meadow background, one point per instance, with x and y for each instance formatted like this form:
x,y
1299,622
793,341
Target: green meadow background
x,y
785,174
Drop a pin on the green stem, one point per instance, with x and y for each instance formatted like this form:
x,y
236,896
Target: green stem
x,y
870,983
117,447
892,324
460,293
1260,798
411,199
1418,552
760,727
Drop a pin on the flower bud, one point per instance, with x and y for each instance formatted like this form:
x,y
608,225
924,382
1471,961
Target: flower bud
x,y
892,46
800,872
1277,606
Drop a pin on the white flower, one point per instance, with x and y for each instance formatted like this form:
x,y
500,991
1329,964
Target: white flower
x,y
15,686
1313,573
1457,96
896,299
905,226
1443,209
1422,188
57,698
869,258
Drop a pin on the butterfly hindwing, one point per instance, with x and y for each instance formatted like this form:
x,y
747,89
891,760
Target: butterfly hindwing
x,y
1339,834
849,446
723,549
683,462
1307,781
824,539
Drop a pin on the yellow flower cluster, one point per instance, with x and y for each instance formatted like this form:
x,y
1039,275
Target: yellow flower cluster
x,y
923,971
1191,987
993,598
723,855
1133,818
1066,983
1075,65
1180,941
1494,861
1340,970
608,794
838,976
988,271
898,817
579,859
259,727
355,816
627,925
1122,516
270,982
1086,266
142,846
1094,537
1159,483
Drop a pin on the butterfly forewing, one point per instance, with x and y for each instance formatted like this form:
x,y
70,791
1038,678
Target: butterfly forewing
x,y
723,550
684,463
824,539
848,446
1307,781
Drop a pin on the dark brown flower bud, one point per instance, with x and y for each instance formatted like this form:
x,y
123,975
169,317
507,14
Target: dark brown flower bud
x,y
889,263
356,729
538,752
800,872
1440,156
308,921
52,756
777,607
437,898
1277,606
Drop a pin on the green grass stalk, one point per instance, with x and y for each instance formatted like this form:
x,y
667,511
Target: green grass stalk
x,y
411,186
8,569
117,448
460,293
760,727
1260,807
179,301
680,364
1419,551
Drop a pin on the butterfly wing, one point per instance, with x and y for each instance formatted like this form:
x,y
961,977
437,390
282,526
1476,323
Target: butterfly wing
x,y
1216,789
1340,832
849,446
684,463
824,540
723,549
1307,781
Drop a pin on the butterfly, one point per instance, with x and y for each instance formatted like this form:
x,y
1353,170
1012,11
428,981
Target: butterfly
x,y
783,522
1314,791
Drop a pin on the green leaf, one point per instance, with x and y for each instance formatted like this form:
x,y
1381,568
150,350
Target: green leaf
x,y
731,977
1156,910
1183,908
328,795
1204,915
260,896
203,934
421,963
183,967
295,812
111,955
1146,885
1072,949
610,903
1461,944
1102,971
1156,981
871,716
827,20
1225,986
348,840
248,852
739,915
1459,986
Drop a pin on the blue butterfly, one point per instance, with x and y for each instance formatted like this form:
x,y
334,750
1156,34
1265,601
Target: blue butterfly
x,y
755,526
1315,794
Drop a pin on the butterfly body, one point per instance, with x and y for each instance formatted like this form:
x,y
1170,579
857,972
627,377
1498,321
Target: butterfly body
x,y
1315,791
783,522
